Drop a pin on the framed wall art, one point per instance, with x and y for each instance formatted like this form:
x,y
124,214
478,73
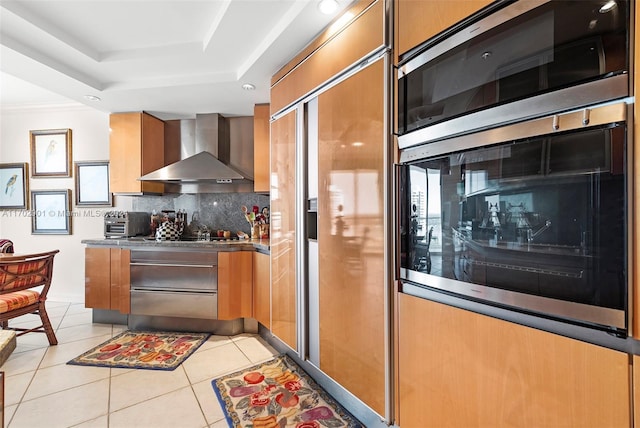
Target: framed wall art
x,y
14,186
51,153
51,212
92,183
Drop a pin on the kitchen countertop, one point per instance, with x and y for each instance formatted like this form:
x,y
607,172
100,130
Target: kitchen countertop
x,y
262,245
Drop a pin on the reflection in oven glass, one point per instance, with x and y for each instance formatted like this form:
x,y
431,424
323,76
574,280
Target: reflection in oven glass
x,y
543,216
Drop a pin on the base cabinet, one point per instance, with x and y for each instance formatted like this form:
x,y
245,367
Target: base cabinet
x,y
461,369
107,279
235,283
262,289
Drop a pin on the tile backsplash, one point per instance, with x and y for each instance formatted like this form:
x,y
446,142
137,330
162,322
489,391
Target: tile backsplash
x,y
215,210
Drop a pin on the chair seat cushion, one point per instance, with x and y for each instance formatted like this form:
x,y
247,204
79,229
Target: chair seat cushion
x,y
17,300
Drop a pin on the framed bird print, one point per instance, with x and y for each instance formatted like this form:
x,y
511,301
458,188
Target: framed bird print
x,y
51,212
92,183
14,186
51,153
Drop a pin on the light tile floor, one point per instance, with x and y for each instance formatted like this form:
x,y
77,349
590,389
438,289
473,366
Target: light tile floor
x,y
41,390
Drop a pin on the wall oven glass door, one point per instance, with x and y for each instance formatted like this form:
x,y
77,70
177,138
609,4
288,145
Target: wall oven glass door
x,y
535,222
526,49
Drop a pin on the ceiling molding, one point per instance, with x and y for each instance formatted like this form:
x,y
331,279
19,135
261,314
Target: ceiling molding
x,y
175,57
215,24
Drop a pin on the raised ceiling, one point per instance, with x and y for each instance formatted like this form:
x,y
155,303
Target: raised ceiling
x,y
172,58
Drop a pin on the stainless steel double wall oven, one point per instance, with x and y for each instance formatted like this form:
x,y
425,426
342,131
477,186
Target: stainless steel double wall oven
x,y
514,179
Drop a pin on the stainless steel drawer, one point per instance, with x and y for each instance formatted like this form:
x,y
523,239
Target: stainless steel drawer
x,y
182,304
165,276
186,269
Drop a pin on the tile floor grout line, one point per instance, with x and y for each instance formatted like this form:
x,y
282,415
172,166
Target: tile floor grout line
x,y
113,329
193,391
21,400
109,392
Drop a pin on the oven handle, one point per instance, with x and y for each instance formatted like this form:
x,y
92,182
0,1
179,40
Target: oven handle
x,y
170,265
602,115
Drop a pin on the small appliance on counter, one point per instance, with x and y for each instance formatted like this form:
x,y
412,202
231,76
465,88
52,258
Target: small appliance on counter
x,y
124,224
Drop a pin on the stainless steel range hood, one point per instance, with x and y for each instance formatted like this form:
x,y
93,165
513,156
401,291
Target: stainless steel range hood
x,y
205,152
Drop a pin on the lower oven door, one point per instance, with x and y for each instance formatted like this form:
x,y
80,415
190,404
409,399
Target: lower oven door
x,y
177,303
531,216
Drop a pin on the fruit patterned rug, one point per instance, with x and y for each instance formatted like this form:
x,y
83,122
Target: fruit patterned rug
x,y
278,394
151,350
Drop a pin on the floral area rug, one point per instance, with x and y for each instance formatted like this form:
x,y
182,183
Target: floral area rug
x,y
151,350
278,394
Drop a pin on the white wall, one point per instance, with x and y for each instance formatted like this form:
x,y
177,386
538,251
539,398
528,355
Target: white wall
x,y
90,141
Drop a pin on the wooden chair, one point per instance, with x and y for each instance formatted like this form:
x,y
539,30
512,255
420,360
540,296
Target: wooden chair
x,y
24,284
6,246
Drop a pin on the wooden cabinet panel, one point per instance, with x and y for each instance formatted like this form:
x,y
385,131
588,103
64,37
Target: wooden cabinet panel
x,y
359,38
283,232
262,289
120,270
351,220
97,278
634,226
261,150
235,282
107,279
636,390
458,368
419,20
136,147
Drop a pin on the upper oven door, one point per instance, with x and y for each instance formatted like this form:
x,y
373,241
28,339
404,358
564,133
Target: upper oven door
x,y
564,54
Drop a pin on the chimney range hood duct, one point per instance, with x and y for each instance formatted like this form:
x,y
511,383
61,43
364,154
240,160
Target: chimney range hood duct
x,y
205,160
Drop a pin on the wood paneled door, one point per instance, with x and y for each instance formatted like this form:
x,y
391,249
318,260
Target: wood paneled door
x,y
462,369
283,229
351,185
107,280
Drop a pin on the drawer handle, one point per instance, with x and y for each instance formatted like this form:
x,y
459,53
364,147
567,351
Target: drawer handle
x,y
175,291
170,265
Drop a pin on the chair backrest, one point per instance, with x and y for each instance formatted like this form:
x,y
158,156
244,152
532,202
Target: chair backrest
x,y
26,271
6,246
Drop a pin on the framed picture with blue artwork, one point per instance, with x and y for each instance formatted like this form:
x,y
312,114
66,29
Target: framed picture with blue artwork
x,y
14,186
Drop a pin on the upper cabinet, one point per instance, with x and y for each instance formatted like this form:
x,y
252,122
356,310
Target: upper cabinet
x,y
136,148
330,53
261,151
417,21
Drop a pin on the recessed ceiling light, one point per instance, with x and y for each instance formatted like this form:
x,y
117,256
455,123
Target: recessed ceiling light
x,y
327,6
248,87
608,6
92,98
